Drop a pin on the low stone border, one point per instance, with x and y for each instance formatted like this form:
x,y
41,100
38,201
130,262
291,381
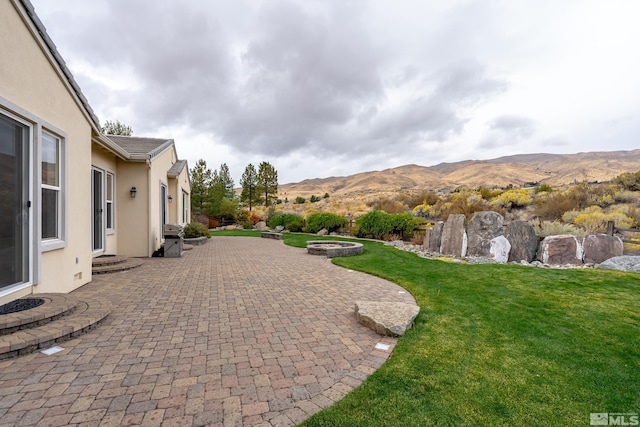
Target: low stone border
x,y
271,235
197,241
333,248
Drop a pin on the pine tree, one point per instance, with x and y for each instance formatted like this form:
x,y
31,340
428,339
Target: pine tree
x,y
201,179
267,183
249,182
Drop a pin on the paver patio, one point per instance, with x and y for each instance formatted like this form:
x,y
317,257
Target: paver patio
x,y
241,331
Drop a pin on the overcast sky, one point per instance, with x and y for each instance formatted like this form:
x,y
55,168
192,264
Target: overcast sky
x,y
335,87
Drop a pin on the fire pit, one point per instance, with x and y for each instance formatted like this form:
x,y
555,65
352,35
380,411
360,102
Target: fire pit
x,y
333,248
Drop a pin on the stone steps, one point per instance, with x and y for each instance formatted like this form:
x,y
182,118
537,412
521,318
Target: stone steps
x,y
59,318
114,263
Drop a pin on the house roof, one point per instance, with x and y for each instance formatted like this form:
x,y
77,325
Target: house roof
x,y
55,56
176,169
141,148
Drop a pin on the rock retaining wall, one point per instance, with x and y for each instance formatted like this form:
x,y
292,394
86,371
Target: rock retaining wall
x,y
486,237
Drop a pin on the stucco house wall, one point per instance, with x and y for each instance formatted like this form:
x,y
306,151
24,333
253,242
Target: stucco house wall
x,y
33,91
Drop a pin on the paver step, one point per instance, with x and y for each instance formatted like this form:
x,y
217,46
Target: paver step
x,y
61,317
108,260
126,264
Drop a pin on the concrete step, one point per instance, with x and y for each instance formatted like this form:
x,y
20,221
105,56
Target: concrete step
x,y
123,264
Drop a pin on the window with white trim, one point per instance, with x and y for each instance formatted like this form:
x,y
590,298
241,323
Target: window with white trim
x,y
52,179
185,207
109,192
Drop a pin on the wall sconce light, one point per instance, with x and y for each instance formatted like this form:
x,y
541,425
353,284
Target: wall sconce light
x,y
170,199
133,192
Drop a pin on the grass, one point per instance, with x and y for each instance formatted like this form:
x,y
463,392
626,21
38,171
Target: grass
x,y
498,345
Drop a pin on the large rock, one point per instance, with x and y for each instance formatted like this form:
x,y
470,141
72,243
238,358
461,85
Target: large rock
x,y
524,242
435,237
600,247
387,318
323,232
454,238
483,227
261,225
560,250
622,263
499,249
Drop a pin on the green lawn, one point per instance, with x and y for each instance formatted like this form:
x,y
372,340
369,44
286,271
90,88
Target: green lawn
x,y
498,345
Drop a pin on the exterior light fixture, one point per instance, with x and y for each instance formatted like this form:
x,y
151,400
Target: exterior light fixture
x,y
133,192
170,199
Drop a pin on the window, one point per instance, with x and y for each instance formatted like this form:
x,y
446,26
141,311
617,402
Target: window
x,y
185,207
51,187
109,201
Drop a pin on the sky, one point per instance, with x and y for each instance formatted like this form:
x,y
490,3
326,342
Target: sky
x,y
322,88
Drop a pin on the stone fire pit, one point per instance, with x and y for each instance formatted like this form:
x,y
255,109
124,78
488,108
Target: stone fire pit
x,y
333,248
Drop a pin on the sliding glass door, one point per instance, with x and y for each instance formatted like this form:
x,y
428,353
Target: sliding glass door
x,y
14,192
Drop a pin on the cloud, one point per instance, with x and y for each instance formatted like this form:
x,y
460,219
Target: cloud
x,y
508,130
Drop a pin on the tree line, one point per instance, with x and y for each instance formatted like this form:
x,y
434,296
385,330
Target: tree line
x,y
213,193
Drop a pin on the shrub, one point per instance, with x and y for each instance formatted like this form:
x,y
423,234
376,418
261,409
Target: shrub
x,y
553,228
299,200
423,197
543,188
330,221
423,211
378,224
291,222
387,205
488,194
196,229
594,219
462,202
374,224
628,181
247,219
551,206
512,199
314,199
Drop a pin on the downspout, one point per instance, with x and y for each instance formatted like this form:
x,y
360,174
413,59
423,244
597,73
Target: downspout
x,y
150,244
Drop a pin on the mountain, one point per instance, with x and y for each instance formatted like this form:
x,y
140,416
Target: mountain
x,y
552,169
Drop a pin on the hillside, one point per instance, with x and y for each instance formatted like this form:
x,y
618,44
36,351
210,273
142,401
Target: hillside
x,y
553,169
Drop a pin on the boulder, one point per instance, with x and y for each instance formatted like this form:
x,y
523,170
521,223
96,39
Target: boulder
x,y
499,249
560,250
425,241
622,263
323,232
600,247
279,228
435,237
523,240
387,318
454,238
483,227
261,225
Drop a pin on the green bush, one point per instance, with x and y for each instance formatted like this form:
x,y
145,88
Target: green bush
x,y
378,224
299,200
628,181
291,222
196,229
328,220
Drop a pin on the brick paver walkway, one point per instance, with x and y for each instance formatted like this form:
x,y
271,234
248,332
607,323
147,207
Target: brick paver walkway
x,y
241,331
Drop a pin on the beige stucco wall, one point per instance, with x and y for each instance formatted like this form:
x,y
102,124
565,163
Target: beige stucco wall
x,y
160,165
29,81
106,162
132,213
177,186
